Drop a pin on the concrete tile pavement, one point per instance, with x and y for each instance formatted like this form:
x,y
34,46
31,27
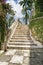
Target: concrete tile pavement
x,y
13,57
10,52
21,57
3,63
16,59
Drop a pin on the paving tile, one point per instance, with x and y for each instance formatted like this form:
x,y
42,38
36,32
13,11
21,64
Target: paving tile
x,y
26,60
17,59
10,52
37,59
3,63
27,53
32,54
5,58
19,52
1,52
14,64
34,61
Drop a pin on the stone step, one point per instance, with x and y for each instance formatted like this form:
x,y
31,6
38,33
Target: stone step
x,y
18,39
17,47
22,31
21,38
20,28
21,35
26,47
18,43
21,41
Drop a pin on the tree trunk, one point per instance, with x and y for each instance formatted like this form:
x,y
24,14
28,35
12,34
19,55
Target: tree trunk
x,y
26,17
0,45
5,45
26,20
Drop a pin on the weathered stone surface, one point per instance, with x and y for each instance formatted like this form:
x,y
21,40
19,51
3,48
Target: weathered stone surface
x,y
5,58
26,60
3,63
19,53
38,58
17,59
10,52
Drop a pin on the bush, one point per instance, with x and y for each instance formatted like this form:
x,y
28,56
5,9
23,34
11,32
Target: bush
x,y
10,21
37,29
38,15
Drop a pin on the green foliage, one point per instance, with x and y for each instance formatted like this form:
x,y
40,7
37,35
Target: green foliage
x,y
10,21
2,23
27,5
4,9
39,4
37,29
38,15
2,28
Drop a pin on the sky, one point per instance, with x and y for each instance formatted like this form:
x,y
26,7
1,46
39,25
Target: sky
x,y
16,7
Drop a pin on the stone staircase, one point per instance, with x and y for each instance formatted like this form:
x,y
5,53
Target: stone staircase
x,y
21,38
21,49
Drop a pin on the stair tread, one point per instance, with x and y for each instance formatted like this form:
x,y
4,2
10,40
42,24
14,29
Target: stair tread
x,y
24,46
20,37
21,41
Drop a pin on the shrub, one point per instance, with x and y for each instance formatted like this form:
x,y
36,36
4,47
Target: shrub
x,y
37,29
38,15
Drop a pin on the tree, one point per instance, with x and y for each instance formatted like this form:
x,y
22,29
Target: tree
x,y
26,4
38,6
25,13
4,9
2,24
